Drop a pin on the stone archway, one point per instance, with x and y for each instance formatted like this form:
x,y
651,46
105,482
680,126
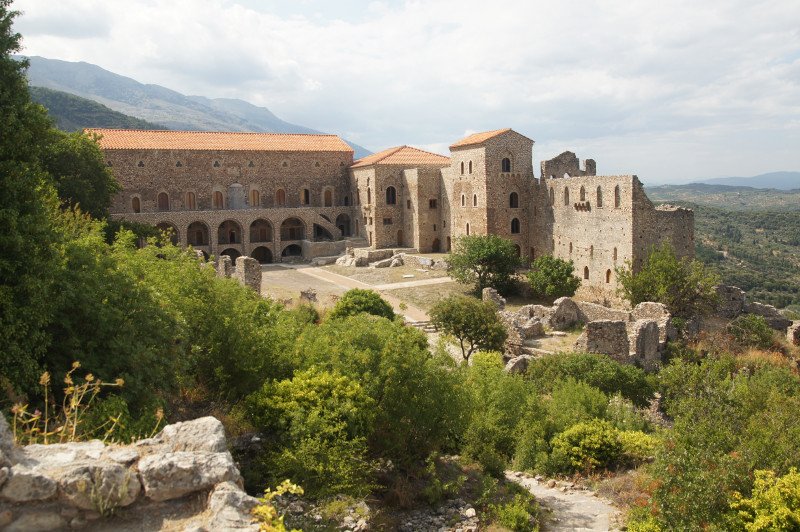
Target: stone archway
x,y
262,254
293,229
229,232
436,245
232,253
260,231
292,250
197,234
321,234
171,231
343,223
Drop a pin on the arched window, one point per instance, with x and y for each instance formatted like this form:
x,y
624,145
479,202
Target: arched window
x,y
591,252
608,276
515,226
280,197
467,229
513,200
617,197
599,197
586,272
566,195
306,196
136,204
328,198
346,201
474,200
191,202
583,193
391,196
163,201
463,200
505,165
358,197
369,196
255,198
462,167
615,253
552,196
570,247
218,200
470,167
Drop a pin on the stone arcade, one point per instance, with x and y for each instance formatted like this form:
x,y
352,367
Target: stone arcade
x,y
278,196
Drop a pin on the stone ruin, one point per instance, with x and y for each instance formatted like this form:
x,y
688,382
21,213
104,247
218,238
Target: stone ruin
x,y
184,478
309,295
387,258
247,271
733,303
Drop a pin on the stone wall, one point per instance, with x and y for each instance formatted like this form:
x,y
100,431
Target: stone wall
x,y
183,479
248,273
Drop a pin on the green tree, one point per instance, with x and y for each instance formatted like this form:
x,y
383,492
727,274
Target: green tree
x,y
357,301
553,277
484,261
774,504
684,286
81,175
473,323
28,242
751,330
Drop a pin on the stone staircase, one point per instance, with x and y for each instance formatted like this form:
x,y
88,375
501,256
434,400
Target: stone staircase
x,y
425,326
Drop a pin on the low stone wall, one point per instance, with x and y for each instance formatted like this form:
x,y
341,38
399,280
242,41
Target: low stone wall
x,y
184,477
593,312
425,262
248,273
606,337
312,250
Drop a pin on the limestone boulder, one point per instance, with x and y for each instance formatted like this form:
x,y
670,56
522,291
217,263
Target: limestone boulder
x,y
518,364
396,262
490,294
385,263
25,485
649,310
774,318
37,521
731,301
793,333
229,508
8,448
605,337
532,328
90,486
565,314
172,475
201,434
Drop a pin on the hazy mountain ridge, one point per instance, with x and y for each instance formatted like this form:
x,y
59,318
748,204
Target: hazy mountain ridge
x,y
738,198
157,104
776,180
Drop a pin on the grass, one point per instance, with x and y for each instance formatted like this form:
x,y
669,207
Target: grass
x,y
378,276
425,297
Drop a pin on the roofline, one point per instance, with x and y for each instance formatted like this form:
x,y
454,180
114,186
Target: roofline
x,y
392,151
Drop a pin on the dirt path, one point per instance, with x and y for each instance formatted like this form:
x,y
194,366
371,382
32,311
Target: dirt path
x,y
410,312
570,510
410,284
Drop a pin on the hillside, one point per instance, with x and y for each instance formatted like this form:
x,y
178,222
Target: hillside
x,y
737,198
158,104
779,180
72,113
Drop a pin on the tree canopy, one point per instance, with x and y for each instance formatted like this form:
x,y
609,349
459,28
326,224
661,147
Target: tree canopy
x,y
473,323
484,261
553,277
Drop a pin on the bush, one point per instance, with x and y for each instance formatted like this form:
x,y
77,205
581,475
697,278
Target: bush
x,y
625,416
599,371
637,446
773,505
573,402
750,330
518,515
552,277
586,447
357,301
473,323
484,261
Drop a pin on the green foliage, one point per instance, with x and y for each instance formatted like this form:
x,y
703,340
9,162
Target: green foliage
x,y
484,261
586,446
321,422
518,515
553,277
419,405
306,313
573,402
684,286
357,300
600,371
436,490
475,324
80,172
636,446
624,415
750,330
773,505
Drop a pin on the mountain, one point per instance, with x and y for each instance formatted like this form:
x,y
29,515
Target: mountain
x,y
777,180
727,197
158,104
72,113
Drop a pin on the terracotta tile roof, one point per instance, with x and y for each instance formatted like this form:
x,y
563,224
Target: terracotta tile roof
x,y
404,156
139,139
477,138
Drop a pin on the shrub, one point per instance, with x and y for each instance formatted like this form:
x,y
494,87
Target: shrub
x,y
473,323
586,447
573,402
637,446
552,277
357,301
773,505
518,515
750,330
484,261
624,415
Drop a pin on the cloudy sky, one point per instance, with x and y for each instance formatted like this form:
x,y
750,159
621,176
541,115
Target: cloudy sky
x,y
671,90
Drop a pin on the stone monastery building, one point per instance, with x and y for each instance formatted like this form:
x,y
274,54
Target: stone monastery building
x,y
273,196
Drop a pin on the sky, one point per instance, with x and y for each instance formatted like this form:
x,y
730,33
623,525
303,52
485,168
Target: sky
x,y
670,90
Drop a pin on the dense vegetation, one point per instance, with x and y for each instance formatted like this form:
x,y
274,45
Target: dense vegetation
x,y
73,113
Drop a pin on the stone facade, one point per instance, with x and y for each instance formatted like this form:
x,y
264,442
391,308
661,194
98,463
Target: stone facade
x,y
273,196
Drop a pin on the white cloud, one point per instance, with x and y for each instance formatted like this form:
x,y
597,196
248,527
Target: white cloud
x,y
671,90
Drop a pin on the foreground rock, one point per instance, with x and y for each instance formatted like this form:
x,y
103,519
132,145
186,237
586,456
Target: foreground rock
x,y
183,478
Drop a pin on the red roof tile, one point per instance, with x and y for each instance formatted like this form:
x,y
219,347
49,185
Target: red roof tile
x,y
403,156
139,139
478,138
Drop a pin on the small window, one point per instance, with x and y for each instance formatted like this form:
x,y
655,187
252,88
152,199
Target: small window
x,y
608,276
391,196
178,164
163,201
255,198
306,196
586,272
566,195
615,253
251,164
328,198
369,196
432,204
408,204
515,226
218,201
369,221
617,197
434,227
505,165
591,252
552,196
570,247
136,204
463,200
474,200
444,223
387,221
216,164
599,200
191,202
583,193
467,229
462,167
346,201
470,167
513,200
280,197
141,164
316,164
285,164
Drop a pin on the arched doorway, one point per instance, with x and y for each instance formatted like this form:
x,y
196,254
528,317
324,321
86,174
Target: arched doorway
x,y
343,223
436,245
232,253
262,254
171,231
449,244
518,250
321,234
400,237
260,231
293,229
197,234
292,250
586,272
229,232
163,201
